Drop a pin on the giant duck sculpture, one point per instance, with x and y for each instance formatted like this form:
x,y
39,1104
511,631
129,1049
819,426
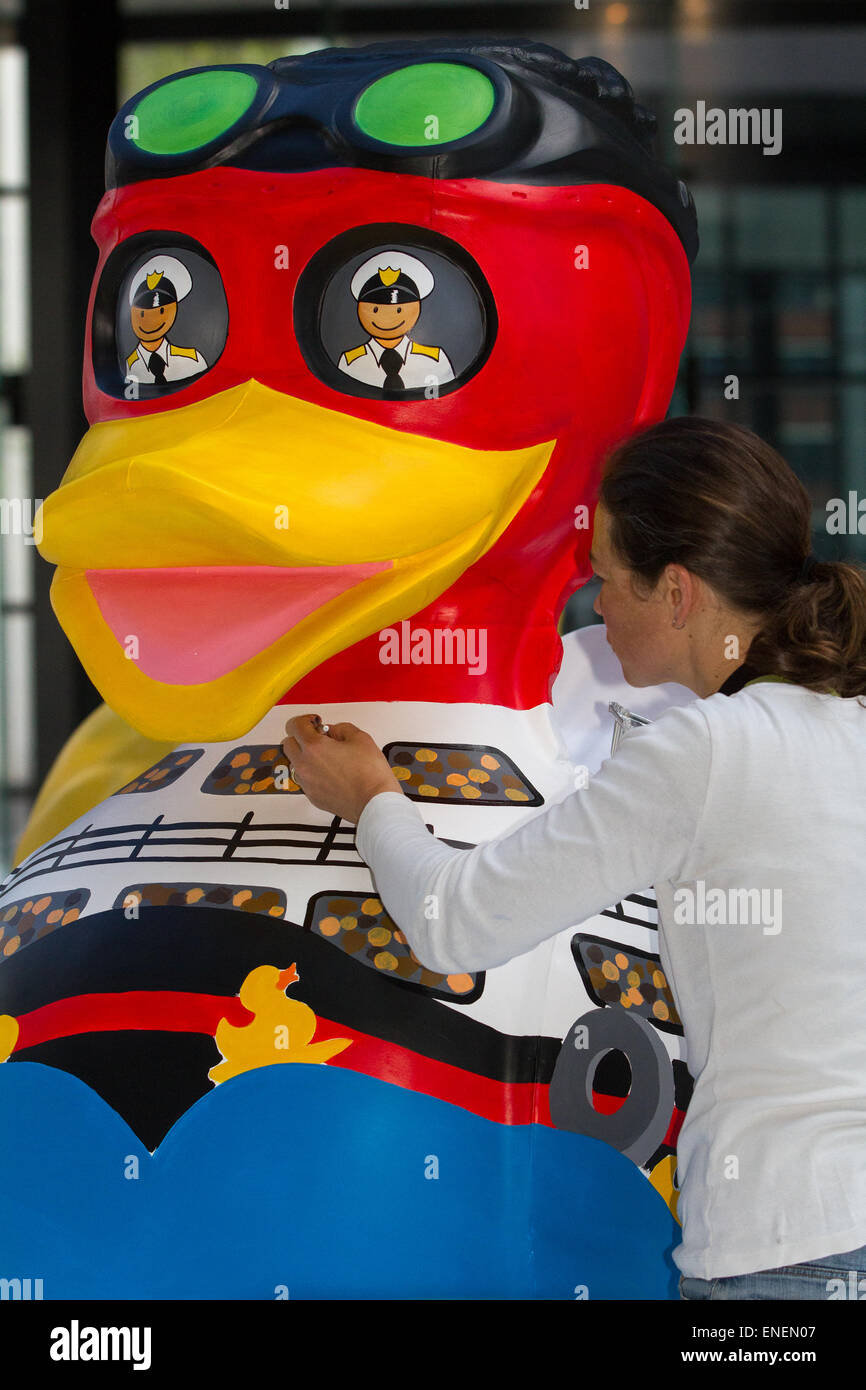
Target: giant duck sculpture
x,y
363,325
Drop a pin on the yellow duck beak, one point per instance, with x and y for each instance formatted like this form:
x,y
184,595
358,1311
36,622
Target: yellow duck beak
x,y
209,557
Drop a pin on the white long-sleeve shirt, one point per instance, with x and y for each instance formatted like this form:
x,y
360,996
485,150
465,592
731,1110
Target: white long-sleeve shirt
x,y
763,790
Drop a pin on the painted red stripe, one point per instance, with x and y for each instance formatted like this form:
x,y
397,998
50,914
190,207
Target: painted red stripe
x,y
181,1012
507,1102
674,1128
159,1011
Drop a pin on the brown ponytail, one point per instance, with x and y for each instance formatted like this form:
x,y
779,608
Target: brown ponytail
x,y
718,500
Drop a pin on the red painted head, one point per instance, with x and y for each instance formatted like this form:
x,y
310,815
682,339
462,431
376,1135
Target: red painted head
x,y
363,327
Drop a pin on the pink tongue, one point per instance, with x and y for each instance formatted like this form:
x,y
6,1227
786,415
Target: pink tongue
x,y
193,625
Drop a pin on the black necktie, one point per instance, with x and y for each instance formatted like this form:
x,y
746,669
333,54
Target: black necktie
x,y
391,362
157,366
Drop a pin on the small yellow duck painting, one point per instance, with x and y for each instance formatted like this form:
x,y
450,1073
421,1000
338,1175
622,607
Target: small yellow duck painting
x,y
281,1030
8,1036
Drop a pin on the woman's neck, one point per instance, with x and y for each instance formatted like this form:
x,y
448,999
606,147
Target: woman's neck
x,y
718,645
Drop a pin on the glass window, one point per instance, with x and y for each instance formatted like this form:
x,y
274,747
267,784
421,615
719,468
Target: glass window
x,y
13,117
14,284
804,323
711,205
852,322
780,228
852,227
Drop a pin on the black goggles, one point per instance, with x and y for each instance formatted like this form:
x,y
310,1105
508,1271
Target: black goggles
x,y
522,114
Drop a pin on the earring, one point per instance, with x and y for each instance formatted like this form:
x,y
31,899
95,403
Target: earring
x,y
678,626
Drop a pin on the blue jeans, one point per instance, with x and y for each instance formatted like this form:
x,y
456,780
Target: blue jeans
x,y
830,1278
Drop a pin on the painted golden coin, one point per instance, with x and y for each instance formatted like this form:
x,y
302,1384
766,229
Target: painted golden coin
x,y
460,984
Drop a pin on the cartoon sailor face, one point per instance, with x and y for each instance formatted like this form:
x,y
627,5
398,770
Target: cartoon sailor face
x,y
388,289
153,298
153,311
154,292
389,306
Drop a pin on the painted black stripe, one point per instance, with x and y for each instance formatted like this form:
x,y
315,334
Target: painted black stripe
x,y
210,950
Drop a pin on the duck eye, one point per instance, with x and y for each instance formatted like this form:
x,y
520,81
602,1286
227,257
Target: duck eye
x,y
425,104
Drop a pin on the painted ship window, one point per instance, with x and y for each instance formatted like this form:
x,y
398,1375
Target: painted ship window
x,y
160,318
394,313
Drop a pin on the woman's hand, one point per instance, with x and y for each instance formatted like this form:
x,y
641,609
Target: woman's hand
x,y
339,768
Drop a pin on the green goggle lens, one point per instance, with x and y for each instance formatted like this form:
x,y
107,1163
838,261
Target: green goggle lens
x,y
425,104
191,111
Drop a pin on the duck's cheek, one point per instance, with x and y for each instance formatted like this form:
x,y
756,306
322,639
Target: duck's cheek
x,y
209,557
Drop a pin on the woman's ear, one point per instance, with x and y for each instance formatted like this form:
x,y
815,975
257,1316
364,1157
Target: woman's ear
x,y
679,592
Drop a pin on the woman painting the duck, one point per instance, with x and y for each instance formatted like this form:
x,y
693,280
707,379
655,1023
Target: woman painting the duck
x,y
701,541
